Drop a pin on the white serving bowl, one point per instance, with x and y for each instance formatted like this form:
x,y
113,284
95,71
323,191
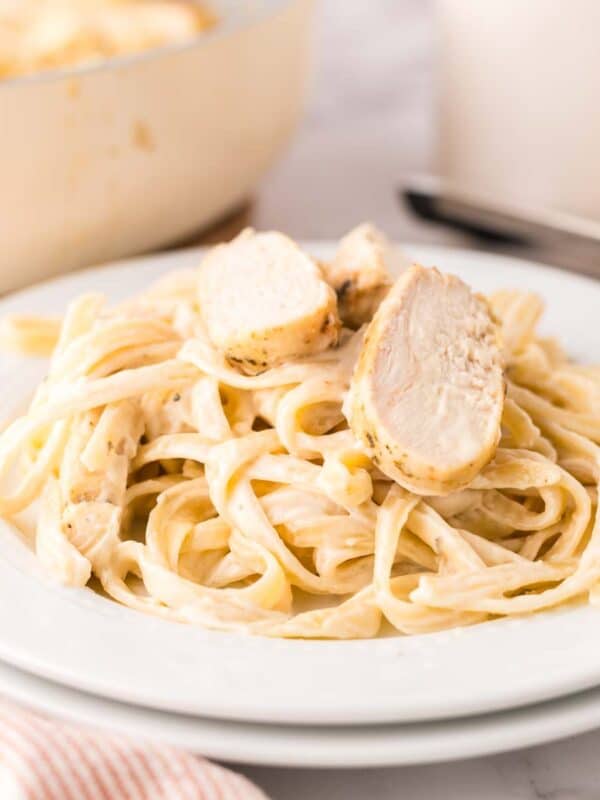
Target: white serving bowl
x,y
137,152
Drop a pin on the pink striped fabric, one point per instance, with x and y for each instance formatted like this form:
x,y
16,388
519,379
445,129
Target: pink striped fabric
x,y
43,759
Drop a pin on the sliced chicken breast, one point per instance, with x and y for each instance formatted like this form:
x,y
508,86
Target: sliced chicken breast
x,y
264,301
427,392
361,272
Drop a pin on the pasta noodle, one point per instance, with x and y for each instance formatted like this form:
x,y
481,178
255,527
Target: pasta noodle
x,y
38,35
244,502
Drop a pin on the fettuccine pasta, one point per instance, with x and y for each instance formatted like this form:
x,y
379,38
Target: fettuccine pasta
x,y
40,35
191,490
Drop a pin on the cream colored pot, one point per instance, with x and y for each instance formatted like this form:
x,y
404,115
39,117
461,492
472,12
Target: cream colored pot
x,y
135,153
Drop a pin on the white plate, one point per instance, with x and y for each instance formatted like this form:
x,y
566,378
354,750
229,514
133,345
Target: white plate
x,y
84,641
315,746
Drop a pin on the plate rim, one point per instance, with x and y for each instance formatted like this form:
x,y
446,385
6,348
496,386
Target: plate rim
x,y
354,747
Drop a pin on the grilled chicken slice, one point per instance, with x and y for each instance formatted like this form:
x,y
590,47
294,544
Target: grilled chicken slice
x,y
264,301
427,392
361,273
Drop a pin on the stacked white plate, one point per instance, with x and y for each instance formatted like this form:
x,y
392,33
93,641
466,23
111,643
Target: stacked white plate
x,y
397,700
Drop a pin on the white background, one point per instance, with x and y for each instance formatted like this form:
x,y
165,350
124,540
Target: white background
x,y
369,123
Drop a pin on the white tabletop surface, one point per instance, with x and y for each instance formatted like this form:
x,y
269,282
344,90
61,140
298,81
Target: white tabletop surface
x,y
568,770
369,123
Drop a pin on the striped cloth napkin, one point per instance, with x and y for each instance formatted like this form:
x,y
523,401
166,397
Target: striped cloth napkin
x,y
43,759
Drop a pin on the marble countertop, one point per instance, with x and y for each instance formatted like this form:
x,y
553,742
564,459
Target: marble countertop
x,y
369,124
567,770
